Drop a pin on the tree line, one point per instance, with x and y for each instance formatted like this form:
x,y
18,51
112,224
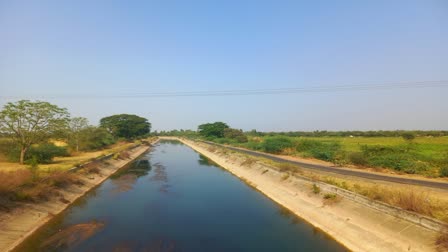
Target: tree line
x,y
29,126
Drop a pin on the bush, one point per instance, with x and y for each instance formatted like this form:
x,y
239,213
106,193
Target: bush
x,y
357,158
45,153
276,145
254,146
399,158
10,181
63,179
444,171
327,151
316,189
93,138
236,135
42,153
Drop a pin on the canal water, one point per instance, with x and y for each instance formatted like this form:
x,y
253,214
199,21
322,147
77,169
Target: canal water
x,y
174,199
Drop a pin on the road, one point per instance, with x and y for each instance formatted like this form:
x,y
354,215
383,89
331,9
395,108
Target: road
x,y
342,171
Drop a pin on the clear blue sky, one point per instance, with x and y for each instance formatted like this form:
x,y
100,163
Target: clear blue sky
x,y
60,48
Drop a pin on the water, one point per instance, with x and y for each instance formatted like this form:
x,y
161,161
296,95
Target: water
x,y
173,199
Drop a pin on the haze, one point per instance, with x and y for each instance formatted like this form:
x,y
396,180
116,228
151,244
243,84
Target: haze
x,y
83,54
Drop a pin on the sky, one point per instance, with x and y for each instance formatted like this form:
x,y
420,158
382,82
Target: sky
x,y
94,57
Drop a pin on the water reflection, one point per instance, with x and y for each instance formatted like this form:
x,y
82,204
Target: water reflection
x,y
177,202
125,178
203,160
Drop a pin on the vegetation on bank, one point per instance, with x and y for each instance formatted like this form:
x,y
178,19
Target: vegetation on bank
x,y
30,131
406,197
410,152
40,140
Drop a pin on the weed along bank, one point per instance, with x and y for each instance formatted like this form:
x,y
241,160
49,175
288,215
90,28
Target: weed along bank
x,y
355,221
23,220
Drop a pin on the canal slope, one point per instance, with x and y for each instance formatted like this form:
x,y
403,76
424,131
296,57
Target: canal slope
x,y
174,199
358,227
21,222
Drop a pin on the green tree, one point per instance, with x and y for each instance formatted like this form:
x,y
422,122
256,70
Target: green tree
x,y
76,125
238,135
127,126
31,122
212,129
408,136
93,138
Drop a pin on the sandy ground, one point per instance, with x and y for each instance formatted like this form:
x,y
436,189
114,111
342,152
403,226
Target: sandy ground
x,y
356,226
20,223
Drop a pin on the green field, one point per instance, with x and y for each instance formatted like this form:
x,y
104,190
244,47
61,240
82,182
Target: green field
x,y
423,155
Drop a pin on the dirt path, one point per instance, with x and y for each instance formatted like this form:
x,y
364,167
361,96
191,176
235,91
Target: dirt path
x,y
20,223
356,226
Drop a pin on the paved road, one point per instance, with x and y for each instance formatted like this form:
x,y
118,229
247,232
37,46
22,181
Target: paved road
x,y
354,173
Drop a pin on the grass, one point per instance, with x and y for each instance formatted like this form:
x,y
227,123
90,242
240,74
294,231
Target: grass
x,y
426,156
19,186
331,198
65,163
442,241
248,162
316,189
20,183
411,198
405,197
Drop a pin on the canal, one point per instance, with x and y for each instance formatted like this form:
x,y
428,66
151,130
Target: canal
x,y
174,199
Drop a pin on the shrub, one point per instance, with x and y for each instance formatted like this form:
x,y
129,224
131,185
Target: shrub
x,y
442,240
254,146
236,135
357,158
35,192
276,145
408,136
34,169
400,158
45,153
42,153
413,201
330,196
327,151
444,171
63,179
316,189
10,181
248,162
285,167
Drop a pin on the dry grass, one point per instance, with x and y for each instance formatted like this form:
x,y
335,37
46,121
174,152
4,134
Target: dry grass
x,y
211,149
10,181
63,179
248,162
406,197
287,167
330,199
124,155
65,163
9,185
285,177
442,241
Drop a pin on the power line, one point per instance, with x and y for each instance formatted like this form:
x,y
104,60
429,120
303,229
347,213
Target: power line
x,y
275,91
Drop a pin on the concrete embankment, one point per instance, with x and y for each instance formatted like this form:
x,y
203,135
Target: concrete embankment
x,y
21,222
355,225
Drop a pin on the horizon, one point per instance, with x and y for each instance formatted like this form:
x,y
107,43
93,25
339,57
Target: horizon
x,y
102,58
